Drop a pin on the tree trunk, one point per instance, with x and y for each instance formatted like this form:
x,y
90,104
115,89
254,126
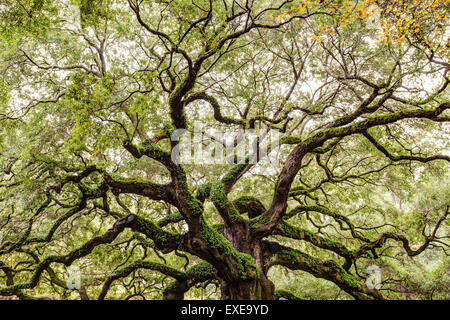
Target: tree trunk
x,y
259,287
256,289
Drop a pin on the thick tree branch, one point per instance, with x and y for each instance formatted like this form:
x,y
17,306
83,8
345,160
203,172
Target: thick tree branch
x,y
288,230
393,157
329,270
198,273
139,264
147,189
293,162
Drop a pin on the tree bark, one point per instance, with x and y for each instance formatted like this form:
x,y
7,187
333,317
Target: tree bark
x,y
260,288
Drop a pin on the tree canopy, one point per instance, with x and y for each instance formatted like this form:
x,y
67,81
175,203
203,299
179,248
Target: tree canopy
x,y
352,200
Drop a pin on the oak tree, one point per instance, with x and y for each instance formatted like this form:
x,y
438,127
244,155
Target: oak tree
x,y
356,205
